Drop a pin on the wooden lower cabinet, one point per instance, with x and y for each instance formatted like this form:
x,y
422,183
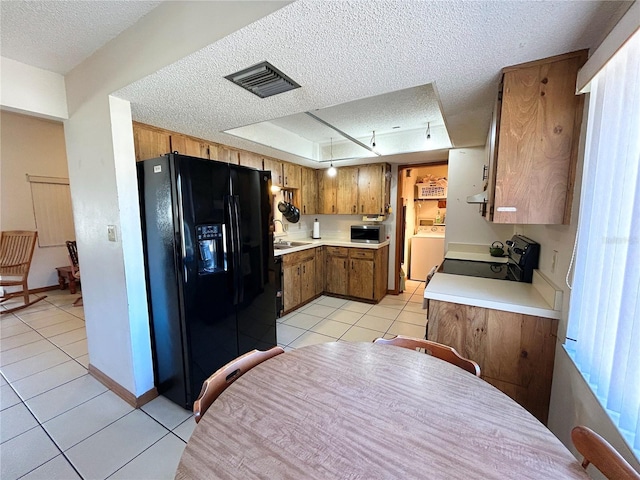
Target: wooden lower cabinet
x,y
299,278
336,272
319,270
357,272
515,352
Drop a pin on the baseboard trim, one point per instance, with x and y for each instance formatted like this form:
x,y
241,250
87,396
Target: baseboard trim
x,y
126,395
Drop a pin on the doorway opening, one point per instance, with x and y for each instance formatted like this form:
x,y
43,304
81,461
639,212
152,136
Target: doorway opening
x,y
422,208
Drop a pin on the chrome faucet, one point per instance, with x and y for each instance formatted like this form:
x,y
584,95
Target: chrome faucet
x,y
274,225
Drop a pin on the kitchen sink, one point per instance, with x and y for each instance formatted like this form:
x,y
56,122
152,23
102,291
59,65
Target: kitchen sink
x,y
286,245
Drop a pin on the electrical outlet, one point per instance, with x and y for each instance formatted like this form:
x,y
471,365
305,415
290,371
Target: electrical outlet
x,y
554,261
111,233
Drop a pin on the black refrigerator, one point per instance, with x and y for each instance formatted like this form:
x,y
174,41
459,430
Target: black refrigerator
x,y
211,280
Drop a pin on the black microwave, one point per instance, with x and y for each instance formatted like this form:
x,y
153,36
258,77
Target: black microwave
x,y
368,233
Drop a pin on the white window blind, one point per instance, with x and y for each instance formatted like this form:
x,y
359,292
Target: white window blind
x,y
604,315
52,209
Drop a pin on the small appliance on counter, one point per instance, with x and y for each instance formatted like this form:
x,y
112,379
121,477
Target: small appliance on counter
x,y
522,254
368,233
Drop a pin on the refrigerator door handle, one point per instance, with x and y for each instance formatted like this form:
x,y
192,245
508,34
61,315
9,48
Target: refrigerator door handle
x,y
238,248
232,241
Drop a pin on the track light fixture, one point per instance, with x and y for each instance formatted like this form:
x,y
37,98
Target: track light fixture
x,y
373,140
428,130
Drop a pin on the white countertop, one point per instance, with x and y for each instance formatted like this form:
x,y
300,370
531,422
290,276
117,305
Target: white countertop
x,y
332,242
540,298
516,297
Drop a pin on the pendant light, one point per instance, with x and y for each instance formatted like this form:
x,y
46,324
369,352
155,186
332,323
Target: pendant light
x,y
332,170
428,130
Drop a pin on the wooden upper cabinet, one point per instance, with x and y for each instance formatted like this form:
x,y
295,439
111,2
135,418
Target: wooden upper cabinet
x,y
347,195
221,153
538,135
372,182
309,190
327,192
150,143
188,146
292,175
275,167
250,159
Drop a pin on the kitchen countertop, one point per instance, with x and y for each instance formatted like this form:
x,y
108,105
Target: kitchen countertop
x,y
540,298
332,242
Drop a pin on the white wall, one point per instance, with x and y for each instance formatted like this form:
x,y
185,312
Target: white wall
x,y
31,146
464,223
32,90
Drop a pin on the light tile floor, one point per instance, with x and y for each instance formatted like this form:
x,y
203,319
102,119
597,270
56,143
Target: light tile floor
x,y
58,422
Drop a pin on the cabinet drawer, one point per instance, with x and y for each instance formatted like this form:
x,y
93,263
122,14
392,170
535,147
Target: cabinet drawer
x,y
337,251
362,253
298,257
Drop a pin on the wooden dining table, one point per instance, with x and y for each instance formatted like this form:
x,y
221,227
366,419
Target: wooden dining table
x,y
369,411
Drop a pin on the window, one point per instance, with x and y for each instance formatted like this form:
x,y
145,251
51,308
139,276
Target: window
x,y
52,208
604,316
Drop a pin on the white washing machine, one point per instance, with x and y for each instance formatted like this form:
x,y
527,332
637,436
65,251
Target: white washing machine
x,y
427,250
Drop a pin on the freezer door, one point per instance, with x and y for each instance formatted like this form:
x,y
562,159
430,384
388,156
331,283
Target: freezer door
x,y
256,300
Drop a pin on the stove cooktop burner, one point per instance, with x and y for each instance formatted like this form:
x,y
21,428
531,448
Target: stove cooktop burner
x,y
470,268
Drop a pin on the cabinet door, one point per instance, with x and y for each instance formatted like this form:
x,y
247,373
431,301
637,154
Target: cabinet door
x,y
221,153
275,167
319,270
307,280
150,143
292,175
361,276
347,195
461,326
291,286
309,189
186,145
250,159
337,280
327,192
371,195
537,142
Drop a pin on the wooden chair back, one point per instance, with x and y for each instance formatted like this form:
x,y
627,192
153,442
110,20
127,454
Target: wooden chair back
x,y
225,376
597,451
438,350
16,253
72,248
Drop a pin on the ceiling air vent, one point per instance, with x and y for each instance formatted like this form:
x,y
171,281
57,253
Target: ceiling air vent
x,y
263,80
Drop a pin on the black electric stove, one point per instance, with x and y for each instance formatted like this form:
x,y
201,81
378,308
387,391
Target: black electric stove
x,y
522,259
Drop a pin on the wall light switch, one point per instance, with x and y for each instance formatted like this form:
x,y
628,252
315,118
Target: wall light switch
x,y
111,233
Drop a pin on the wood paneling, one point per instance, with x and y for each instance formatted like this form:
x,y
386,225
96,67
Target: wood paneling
x,y
319,270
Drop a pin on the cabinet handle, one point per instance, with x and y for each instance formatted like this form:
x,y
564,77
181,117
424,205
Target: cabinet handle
x,y
286,181
485,172
352,265
304,209
361,208
304,269
333,208
344,264
298,270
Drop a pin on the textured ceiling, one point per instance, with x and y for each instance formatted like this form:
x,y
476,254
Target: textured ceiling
x,y
58,35
340,51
